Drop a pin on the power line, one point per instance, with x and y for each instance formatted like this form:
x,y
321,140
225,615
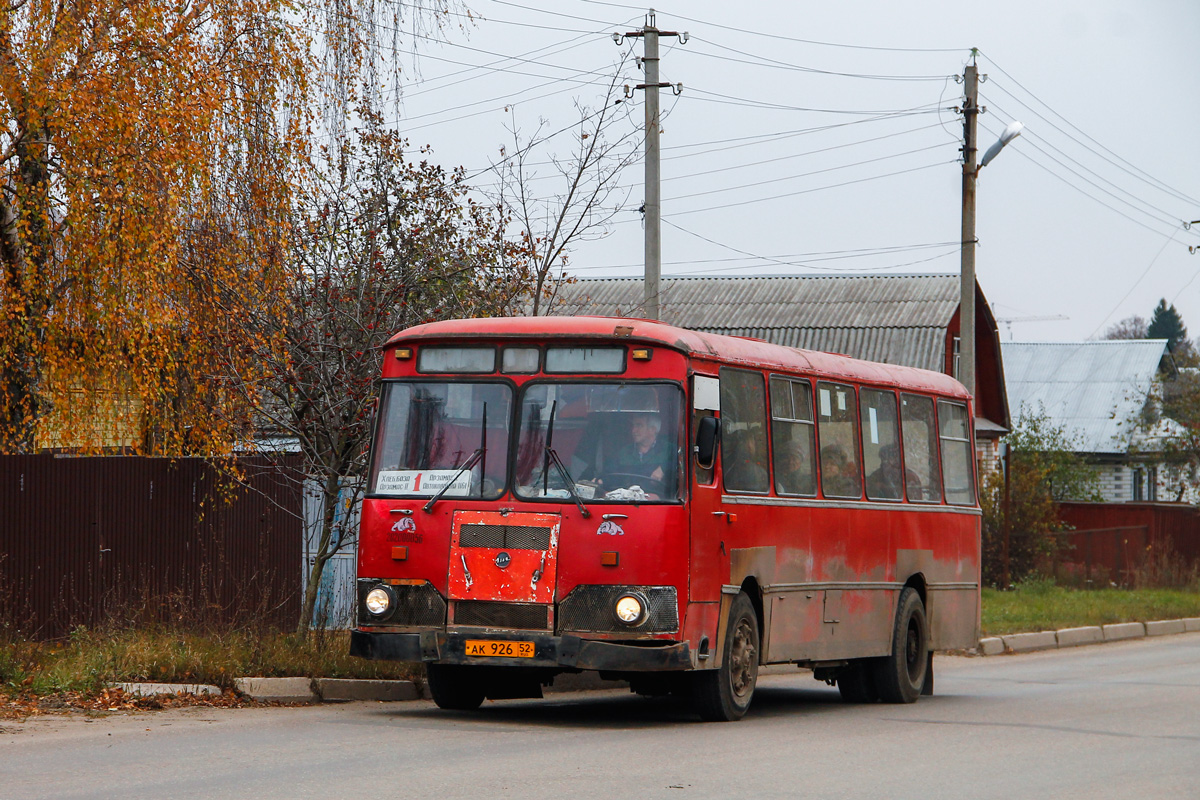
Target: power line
x,y
763,61
790,38
809,174
1145,176
1092,197
798,155
814,189
725,99
820,255
1141,277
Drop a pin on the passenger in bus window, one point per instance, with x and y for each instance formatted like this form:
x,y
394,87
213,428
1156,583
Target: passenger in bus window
x,y
793,472
838,476
646,455
884,482
746,472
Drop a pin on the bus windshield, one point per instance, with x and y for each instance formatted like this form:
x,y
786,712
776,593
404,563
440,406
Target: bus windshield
x,y
428,433
616,441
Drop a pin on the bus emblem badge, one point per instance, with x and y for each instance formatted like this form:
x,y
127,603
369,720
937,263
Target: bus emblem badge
x,y
611,528
503,560
405,525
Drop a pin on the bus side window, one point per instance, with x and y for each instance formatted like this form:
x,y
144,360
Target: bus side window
x,y
792,437
881,445
957,467
837,423
744,431
922,478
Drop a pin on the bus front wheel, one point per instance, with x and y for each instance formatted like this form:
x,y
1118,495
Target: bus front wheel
x,y
724,694
900,676
454,687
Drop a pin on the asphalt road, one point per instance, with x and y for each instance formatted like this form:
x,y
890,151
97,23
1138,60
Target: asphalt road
x,y
1112,721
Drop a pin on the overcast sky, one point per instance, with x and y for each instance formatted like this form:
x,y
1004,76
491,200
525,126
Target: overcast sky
x,y
813,138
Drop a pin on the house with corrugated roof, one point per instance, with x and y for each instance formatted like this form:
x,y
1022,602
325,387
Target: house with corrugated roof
x,y
1096,392
910,320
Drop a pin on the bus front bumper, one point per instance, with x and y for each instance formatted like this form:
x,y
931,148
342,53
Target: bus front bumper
x,y
570,652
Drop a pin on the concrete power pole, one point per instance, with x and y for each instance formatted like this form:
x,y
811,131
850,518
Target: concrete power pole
x,y
653,207
966,319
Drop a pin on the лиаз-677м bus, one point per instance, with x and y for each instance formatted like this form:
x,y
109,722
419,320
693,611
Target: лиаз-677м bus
x,y
671,508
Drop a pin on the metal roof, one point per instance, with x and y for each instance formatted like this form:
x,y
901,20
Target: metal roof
x,y
895,319
1092,389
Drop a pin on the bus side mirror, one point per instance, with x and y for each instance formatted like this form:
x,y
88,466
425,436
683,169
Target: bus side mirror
x,y
708,437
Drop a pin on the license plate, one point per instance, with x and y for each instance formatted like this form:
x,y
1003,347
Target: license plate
x,y
493,647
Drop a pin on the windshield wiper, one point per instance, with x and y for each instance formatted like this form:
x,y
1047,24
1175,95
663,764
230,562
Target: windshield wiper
x,y
476,457
552,458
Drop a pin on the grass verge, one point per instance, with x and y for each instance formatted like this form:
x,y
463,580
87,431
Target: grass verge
x,y
89,661
1045,607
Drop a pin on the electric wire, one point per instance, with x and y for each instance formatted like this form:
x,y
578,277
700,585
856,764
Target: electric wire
x,y
1147,177
763,61
1092,197
820,255
1036,138
888,157
787,38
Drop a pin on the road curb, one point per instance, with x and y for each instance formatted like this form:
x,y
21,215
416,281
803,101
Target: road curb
x,y
1074,637
277,690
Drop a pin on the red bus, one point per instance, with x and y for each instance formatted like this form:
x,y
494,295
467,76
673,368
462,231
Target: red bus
x,y
666,507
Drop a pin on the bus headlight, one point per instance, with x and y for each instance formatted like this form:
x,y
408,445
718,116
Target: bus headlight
x,y
630,609
378,601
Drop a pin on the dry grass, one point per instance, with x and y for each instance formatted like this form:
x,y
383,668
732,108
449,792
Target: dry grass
x,y
89,661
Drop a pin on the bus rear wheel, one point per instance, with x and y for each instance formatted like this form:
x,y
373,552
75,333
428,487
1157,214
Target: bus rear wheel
x,y
900,676
455,687
724,694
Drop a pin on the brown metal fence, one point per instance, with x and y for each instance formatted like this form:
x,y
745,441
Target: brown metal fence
x,y
103,540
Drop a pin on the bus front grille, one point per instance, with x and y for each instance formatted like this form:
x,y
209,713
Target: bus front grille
x,y
490,614
513,537
590,608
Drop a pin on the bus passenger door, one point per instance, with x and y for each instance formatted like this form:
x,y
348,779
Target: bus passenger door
x,y
709,567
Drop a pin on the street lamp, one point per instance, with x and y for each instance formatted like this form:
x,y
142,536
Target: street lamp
x,y
966,319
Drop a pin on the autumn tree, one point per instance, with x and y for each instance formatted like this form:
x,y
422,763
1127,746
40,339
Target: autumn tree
x,y
380,242
583,195
120,120
1020,515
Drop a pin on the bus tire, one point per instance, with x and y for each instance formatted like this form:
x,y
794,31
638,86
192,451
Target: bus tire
x,y
856,682
455,687
724,694
900,676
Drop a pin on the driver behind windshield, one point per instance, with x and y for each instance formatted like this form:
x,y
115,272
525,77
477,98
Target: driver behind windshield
x,y
646,454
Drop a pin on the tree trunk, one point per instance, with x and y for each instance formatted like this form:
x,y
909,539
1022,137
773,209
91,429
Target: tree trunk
x,y
326,547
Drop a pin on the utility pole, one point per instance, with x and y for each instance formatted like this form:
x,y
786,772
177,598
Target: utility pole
x,y
966,306
649,35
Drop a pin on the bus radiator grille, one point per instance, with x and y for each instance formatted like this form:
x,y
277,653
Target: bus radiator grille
x,y
490,614
590,608
512,537
415,605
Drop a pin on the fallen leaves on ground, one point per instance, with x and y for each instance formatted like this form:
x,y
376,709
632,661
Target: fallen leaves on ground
x,y
27,705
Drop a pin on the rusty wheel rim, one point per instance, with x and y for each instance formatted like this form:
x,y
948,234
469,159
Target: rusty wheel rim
x,y
913,651
743,660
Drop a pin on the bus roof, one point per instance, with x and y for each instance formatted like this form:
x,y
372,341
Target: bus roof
x,y
734,350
